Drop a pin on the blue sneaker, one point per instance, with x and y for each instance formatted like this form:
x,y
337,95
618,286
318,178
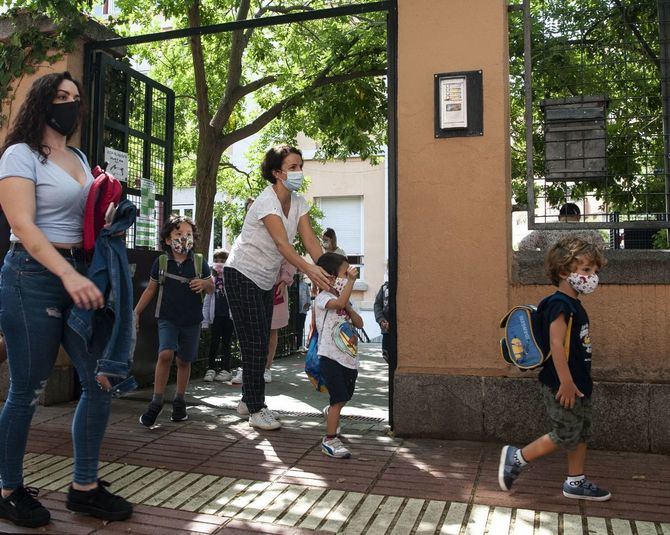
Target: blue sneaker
x,y
585,490
509,468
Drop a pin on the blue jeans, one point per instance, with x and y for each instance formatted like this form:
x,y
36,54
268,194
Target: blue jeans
x,y
33,317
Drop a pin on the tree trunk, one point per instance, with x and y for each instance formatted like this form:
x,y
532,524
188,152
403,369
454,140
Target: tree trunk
x,y
207,167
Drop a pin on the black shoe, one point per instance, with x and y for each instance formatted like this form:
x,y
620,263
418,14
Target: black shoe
x,y
99,503
150,415
179,410
21,508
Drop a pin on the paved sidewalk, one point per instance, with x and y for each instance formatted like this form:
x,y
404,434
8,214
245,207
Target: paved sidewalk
x,y
214,474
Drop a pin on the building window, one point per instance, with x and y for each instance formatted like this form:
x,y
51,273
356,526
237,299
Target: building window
x,y
345,216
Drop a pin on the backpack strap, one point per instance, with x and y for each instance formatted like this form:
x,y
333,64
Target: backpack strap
x,y
197,261
565,299
78,153
162,269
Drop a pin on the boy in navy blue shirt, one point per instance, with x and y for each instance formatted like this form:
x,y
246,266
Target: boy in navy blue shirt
x,y
179,313
572,265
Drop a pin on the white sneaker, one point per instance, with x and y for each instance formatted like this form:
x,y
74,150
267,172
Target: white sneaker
x,y
334,448
237,378
209,375
325,417
264,419
267,375
302,349
223,376
242,409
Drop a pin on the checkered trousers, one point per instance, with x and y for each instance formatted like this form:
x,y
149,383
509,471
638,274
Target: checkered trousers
x,y
251,309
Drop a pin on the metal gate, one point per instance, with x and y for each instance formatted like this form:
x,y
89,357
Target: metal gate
x,y
131,128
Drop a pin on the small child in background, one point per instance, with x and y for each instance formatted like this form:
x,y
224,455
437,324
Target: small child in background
x,y
216,315
338,346
179,313
572,265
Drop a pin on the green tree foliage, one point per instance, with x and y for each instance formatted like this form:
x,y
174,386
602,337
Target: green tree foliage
x,y
324,78
28,45
594,47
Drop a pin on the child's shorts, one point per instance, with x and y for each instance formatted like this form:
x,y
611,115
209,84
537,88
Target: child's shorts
x,y
340,380
182,339
569,426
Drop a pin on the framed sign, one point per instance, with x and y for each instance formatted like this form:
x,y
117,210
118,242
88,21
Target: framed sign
x,y
458,104
117,163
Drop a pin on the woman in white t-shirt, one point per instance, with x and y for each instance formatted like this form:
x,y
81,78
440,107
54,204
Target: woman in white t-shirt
x,y
269,230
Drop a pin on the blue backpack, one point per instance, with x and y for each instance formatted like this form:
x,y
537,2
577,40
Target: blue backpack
x,y
519,346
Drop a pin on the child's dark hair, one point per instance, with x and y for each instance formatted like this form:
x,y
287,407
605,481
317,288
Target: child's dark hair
x,y
172,223
274,158
566,251
218,253
331,262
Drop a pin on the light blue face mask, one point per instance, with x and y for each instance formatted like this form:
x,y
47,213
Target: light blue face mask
x,y
294,180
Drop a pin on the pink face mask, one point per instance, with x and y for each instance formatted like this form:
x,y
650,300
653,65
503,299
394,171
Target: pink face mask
x,y
218,267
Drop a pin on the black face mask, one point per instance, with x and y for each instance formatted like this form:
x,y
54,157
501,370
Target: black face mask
x,y
63,117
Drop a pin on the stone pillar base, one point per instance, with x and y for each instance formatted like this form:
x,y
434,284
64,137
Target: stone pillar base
x,y
626,416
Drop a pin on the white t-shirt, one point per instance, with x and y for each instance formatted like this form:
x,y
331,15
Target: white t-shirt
x,y
327,321
254,253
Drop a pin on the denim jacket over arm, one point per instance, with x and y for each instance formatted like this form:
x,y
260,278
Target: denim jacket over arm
x,y
108,334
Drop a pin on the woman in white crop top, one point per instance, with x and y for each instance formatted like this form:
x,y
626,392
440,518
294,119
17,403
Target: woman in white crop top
x,y
43,190
270,227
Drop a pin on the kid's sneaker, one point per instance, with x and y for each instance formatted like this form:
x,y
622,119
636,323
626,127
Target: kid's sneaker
x,y
22,508
209,375
179,410
223,376
237,378
509,468
334,448
149,417
585,490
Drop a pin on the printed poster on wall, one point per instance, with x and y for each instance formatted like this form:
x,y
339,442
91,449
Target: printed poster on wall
x,y
146,222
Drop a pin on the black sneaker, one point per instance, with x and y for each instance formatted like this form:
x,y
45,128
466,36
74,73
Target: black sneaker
x,y
179,410
21,508
99,503
149,417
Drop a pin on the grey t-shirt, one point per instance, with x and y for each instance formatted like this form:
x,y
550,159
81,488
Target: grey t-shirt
x,y
59,199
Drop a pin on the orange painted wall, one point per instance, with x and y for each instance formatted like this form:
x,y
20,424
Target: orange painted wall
x,y
629,328
73,62
454,226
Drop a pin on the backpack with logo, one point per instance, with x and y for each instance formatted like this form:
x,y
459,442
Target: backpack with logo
x,y
198,259
521,344
312,362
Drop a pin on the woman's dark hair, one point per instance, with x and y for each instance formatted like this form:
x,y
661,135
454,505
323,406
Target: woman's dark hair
x,y
28,126
172,223
220,253
331,263
330,234
274,158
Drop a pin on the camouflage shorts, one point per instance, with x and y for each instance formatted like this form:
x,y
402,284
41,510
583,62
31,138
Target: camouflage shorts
x,y
569,426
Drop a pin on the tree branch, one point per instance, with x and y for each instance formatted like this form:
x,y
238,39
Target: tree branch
x,y
275,111
238,44
230,165
638,35
201,90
